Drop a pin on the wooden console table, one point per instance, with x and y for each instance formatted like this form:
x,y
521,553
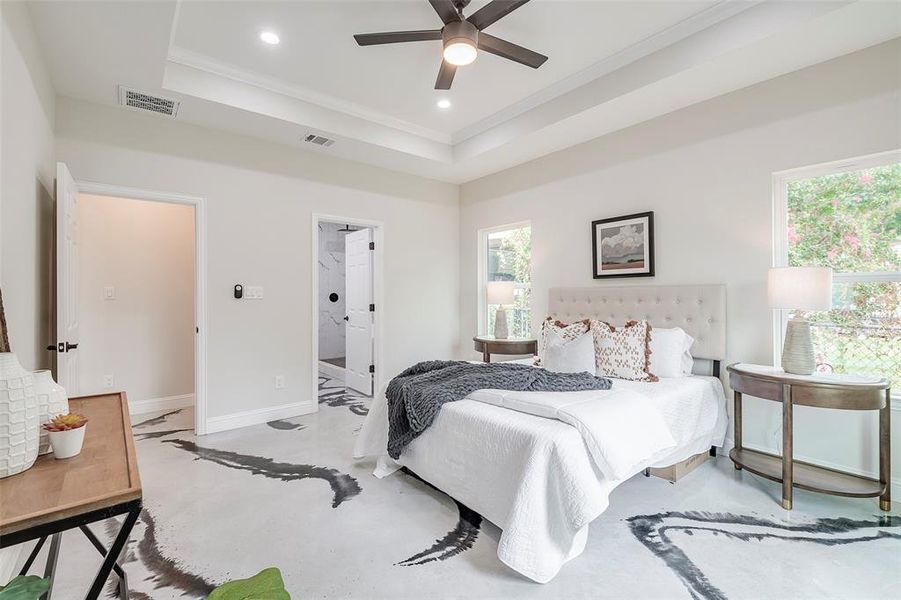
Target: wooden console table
x,y
56,495
488,345
846,392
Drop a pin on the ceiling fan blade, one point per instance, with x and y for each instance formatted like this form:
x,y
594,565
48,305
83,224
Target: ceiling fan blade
x,y
394,37
493,11
445,76
511,51
446,10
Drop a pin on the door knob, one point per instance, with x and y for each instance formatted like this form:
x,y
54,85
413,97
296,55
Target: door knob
x,y
71,346
346,318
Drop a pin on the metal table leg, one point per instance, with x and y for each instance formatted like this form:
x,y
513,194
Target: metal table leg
x,y
123,580
32,556
50,567
112,555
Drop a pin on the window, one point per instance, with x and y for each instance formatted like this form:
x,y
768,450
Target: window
x,y
847,216
506,255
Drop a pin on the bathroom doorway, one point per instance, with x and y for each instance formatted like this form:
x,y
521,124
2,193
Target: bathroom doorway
x,y
345,299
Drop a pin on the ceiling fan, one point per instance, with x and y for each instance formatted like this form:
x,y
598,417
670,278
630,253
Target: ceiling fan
x,y
462,37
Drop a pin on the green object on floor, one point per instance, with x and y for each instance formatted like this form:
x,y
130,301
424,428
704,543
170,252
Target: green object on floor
x,y
265,585
24,587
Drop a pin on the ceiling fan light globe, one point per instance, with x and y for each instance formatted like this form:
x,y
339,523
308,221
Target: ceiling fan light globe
x,y
460,53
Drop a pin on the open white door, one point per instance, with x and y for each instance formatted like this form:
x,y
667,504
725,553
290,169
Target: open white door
x,y
66,280
359,319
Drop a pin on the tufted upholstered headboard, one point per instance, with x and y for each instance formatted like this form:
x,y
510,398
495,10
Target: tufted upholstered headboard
x,y
698,309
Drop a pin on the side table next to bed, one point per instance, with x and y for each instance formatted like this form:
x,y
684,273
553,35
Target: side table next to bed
x,y
847,392
488,345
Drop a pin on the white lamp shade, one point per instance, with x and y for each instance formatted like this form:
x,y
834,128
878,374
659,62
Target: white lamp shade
x,y
800,288
500,292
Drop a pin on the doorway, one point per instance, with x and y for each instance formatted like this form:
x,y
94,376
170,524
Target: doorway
x,y
138,302
346,272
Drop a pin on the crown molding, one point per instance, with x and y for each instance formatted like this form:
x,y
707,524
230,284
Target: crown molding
x,y
201,62
710,16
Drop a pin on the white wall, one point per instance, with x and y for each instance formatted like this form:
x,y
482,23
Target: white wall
x,y
331,280
144,336
27,171
706,172
260,198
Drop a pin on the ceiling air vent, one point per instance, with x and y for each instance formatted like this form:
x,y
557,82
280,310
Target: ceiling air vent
x,y
142,101
319,140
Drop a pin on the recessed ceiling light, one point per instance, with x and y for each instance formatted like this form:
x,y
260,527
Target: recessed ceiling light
x,y
444,103
270,37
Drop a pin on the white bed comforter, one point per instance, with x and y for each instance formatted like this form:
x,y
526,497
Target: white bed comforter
x,y
535,477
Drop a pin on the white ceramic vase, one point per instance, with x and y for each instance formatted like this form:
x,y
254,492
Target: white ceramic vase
x,y
52,401
67,444
19,421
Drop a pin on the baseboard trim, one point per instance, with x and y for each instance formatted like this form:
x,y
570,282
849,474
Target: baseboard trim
x,y
140,407
333,371
258,416
729,443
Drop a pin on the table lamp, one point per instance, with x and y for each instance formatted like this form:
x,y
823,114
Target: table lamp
x,y
799,288
500,293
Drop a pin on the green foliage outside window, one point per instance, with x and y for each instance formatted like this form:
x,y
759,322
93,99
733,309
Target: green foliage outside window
x,y
852,222
510,259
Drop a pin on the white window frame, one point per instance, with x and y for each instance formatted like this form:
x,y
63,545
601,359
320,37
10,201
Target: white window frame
x,y
781,179
482,270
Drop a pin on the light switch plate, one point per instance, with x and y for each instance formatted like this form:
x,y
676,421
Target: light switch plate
x,y
109,292
253,292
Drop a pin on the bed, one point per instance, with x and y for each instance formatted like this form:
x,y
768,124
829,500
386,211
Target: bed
x,y
533,476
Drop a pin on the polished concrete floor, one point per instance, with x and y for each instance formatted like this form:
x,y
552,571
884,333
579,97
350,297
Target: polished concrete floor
x,y
288,494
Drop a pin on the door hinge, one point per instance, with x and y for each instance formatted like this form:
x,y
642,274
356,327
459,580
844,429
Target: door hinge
x,y
372,308
372,368
372,245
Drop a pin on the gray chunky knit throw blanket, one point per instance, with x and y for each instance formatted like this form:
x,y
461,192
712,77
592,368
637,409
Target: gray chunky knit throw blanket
x,y
416,395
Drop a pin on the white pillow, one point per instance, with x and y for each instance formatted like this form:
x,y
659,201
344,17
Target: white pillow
x,y
670,356
569,356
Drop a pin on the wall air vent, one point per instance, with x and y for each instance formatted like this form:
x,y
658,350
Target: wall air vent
x,y
142,101
319,140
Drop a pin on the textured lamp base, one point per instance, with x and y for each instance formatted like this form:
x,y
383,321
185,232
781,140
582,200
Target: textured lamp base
x,y
797,351
500,324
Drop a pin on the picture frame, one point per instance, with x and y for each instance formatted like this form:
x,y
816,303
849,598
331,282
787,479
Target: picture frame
x,y
623,246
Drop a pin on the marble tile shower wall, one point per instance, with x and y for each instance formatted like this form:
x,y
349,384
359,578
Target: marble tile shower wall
x,y
331,281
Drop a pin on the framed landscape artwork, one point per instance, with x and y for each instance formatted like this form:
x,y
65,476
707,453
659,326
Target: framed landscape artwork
x,y
623,246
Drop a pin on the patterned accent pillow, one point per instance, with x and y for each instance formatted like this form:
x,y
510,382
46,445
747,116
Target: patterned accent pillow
x,y
623,352
567,332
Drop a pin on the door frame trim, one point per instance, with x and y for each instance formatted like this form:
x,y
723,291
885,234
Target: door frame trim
x,y
378,236
200,277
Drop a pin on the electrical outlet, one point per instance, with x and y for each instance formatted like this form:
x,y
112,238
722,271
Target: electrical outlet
x,y
108,381
109,292
279,382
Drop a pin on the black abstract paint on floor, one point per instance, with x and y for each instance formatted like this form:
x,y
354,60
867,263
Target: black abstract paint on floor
x,y
343,485
335,394
157,420
283,425
459,539
164,572
653,531
150,435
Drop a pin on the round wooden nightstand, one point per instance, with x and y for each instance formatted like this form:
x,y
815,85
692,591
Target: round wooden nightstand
x,y
488,345
847,392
